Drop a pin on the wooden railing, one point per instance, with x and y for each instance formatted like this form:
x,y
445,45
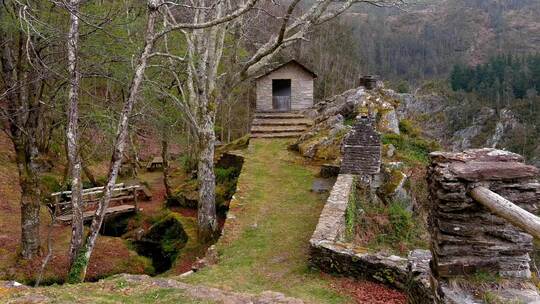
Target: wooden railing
x,y
61,207
281,103
509,211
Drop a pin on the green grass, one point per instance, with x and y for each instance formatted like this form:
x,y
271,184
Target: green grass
x,y
390,228
114,291
411,150
266,246
351,214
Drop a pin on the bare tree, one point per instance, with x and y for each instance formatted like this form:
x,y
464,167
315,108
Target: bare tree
x,y
200,92
72,136
78,269
25,57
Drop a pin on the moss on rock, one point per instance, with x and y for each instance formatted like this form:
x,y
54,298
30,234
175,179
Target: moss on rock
x,y
163,242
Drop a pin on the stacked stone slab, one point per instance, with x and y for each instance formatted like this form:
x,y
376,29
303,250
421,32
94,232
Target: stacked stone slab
x,y
362,149
465,236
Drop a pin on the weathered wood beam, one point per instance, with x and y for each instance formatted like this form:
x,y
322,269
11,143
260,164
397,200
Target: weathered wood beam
x,y
504,208
98,190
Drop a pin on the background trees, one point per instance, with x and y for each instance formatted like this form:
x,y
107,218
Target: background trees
x,y
29,92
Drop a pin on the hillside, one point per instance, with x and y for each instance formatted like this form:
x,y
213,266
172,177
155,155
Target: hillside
x,y
423,41
458,121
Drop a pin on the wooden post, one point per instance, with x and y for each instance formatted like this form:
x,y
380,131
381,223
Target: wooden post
x,y
502,207
135,200
55,211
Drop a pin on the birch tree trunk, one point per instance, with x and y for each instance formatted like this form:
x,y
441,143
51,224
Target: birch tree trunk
x,y
206,215
78,269
77,227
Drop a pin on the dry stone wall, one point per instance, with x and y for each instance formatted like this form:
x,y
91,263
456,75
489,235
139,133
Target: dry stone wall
x,y
330,253
465,236
362,149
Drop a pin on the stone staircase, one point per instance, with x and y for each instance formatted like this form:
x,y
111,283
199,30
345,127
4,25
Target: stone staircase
x,y
279,125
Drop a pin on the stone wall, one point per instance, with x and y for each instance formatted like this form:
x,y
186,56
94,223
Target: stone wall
x,y
362,149
301,87
330,253
465,236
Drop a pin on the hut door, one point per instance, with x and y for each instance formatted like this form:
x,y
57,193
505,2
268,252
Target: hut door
x,y
281,95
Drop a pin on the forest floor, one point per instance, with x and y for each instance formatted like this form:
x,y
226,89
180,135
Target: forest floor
x,y
112,254
264,246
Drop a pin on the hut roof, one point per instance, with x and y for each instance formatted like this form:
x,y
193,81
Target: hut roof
x,y
303,67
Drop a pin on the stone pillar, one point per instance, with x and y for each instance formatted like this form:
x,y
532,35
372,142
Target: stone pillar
x,y
368,81
465,236
362,149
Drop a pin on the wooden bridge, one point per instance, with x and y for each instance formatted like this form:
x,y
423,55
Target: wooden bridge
x,y
124,199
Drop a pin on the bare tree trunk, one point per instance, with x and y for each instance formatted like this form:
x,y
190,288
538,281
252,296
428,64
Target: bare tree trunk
x,y
72,135
206,216
49,249
21,127
165,156
78,269
30,201
504,208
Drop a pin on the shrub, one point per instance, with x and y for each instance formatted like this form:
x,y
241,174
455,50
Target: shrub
x,y
50,184
224,175
403,87
188,162
406,126
349,121
411,149
351,214
401,220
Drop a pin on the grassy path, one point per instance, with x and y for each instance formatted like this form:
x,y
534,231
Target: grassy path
x,y
265,246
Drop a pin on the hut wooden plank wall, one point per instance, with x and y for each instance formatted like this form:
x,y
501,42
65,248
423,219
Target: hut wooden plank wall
x,y
300,90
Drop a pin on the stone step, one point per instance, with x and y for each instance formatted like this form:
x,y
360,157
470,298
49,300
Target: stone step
x,y
276,135
278,115
281,122
278,129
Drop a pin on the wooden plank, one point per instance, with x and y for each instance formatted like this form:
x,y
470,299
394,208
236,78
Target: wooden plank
x,y
504,208
90,214
98,190
114,190
87,190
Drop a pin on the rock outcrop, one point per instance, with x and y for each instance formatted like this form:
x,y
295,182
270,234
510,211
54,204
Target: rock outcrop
x,y
440,119
333,118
